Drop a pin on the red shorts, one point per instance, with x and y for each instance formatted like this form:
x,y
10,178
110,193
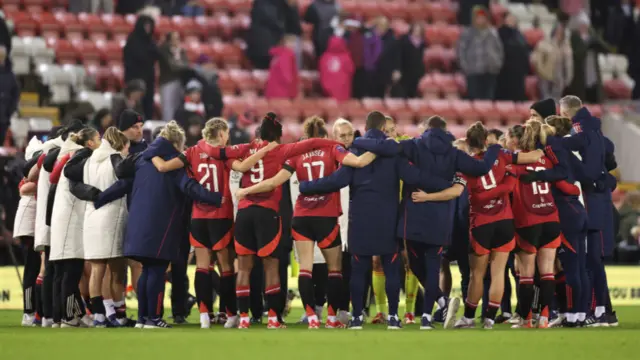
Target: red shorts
x,y
540,236
492,237
214,234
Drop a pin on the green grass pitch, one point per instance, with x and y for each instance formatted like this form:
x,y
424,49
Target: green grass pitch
x,y
296,342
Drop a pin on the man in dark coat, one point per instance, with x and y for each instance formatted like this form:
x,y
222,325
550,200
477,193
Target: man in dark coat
x,y
205,73
9,95
320,14
130,123
269,20
375,191
140,55
511,79
588,141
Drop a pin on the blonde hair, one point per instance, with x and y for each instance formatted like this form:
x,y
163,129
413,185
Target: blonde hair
x,y
341,122
213,127
174,133
546,130
83,136
313,127
571,104
561,124
531,136
115,138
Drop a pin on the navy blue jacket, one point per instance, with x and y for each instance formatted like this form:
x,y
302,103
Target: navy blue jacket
x,y
589,142
156,222
137,147
573,216
374,194
433,153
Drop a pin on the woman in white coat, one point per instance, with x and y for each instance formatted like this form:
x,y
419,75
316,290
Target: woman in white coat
x,y
67,218
103,228
24,229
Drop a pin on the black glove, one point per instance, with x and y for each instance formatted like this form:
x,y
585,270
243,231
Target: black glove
x,y
529,177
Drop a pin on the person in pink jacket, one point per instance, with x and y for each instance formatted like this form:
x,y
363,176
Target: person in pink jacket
x,y
283,71
336,70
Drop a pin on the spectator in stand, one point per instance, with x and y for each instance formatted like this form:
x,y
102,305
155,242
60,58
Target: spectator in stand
x,y
173,61
480,55
131,98
9,94
586,44
5,39
381,58
412,67
629,47
353,32
336,70
192,9
205,73
283,71
238,133
620,25
293,26
192,106
140,55
553,61
102,120
511,80
193,131
270,20
130,6
465,10
320,14
92,6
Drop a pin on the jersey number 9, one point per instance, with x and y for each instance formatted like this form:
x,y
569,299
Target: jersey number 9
x,y
257,172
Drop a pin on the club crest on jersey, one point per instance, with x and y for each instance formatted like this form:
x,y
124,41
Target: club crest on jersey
x,y
203,156
341,149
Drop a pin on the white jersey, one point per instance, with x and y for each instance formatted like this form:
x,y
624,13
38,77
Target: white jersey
x,y
42,231
67,217
103,229
25,219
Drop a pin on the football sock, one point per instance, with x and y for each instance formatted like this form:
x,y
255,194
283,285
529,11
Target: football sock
x,y
505,305
273,297
228,301
121,309
411,290
378,285
109,307
470,309
492,310
97,308
561,292
204,291
242,294
334,293
526,296
547,287
305,286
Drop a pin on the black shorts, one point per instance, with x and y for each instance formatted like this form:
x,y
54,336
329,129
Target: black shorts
x,y
257,231
323,230
540,236
214,234
496,236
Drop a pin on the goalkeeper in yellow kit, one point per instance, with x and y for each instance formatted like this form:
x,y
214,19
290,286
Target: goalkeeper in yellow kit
x,y
378,280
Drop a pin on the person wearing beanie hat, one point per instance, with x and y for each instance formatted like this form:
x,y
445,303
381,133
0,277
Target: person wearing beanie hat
x,y
542,109
193,107
130,123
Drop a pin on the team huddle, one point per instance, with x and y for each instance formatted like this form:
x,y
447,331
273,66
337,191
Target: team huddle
x,y
535,201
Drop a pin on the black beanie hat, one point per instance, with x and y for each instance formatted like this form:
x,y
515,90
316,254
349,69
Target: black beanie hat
x,y
546,107
128,118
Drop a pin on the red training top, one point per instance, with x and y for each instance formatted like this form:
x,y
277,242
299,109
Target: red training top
x,y
269,166
313,165
489,194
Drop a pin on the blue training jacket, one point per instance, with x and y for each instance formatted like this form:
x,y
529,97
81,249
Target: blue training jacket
x,y
374,193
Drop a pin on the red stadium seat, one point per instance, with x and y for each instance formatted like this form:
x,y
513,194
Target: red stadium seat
x,y
244,81
228,54
448,58
533,36
205,25
464,112
396,10
399,110
355,111
441,11
507,111
291,132
531,87
442,108
48,24
72,28
223,25
400,27
461,82
24,24
308,80
184,25
487,111
111,51
523,109
240,6
427,87
234,105
595,109
369,9
285,109
451,34
226,84
459,131
65,52
92,23
433,57
420,108
88,51
617,89
446,85
117,25
240,23
163,26
417,11
260,78
11,5
117,78
434,35
331,109
260,106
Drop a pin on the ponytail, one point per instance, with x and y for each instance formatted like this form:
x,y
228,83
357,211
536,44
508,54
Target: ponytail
x,y
174,133
531,136
83,136
270,129
314,127
115,138
477,136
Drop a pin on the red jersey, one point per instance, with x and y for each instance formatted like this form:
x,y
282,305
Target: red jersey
x,y
213,174
313,165
269,166
485,211
533,202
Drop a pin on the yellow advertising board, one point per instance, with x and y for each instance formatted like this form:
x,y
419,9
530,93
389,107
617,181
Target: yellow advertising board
x,y
624,285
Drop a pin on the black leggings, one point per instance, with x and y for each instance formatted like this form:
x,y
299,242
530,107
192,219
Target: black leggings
x,y
30,275
47,287
66,290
